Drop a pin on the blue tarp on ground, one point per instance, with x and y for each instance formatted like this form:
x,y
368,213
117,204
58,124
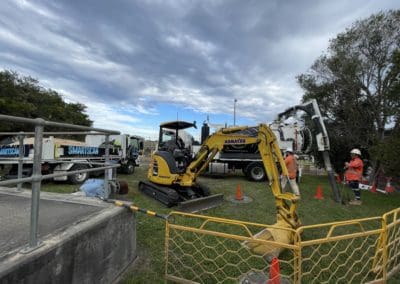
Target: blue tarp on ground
x,y
93,188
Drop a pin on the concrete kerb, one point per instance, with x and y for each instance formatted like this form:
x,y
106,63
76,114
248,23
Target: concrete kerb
x,y
70,198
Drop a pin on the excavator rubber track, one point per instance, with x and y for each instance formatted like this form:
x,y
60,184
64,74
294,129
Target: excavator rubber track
x,y
171,197
165,195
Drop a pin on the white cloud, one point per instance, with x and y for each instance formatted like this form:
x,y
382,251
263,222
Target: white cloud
x,y
36,8
143,110
13,39
190,43
195,56
119,40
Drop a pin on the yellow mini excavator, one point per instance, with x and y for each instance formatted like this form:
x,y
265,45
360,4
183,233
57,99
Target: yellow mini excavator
x,y
173,181
167,181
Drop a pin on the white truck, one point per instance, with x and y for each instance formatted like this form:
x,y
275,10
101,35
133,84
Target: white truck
x,y
291,134
63,155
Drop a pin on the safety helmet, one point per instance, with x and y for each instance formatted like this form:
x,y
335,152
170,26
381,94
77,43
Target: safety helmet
x,y
289,150
355,151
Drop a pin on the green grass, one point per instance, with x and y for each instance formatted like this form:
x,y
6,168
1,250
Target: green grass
x,y
149,266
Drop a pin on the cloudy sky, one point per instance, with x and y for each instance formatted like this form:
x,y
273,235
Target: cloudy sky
x,y
135,64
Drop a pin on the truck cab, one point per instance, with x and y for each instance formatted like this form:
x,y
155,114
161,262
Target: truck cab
x,y
124,149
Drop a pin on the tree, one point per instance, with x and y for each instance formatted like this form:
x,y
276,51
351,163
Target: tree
x,y
356,84
24,97
389,150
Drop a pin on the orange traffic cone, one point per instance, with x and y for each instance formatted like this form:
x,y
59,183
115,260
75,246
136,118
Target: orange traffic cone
x,y
239,194
389,188
274,272
373,188
318,194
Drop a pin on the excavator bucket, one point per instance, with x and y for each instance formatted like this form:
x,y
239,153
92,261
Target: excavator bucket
x,y
201,203
277,234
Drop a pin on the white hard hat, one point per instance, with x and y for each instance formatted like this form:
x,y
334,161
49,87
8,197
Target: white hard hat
x,y
355,151
289,150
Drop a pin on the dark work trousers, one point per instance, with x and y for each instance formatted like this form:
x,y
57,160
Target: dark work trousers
x,y
353,184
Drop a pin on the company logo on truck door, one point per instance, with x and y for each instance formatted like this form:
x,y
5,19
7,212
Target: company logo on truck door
x,y
9,151
82,150
235,141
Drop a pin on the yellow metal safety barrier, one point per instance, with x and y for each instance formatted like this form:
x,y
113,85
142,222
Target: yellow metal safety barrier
x,y
391,246
202,249
341,252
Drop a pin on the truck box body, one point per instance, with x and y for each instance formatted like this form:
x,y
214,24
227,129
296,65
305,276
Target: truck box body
x,y
62,155
54,149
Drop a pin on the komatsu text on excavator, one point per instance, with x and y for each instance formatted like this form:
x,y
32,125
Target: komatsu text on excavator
x,y
176,185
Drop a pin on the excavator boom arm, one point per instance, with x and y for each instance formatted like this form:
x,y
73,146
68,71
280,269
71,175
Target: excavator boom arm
x,y
271,155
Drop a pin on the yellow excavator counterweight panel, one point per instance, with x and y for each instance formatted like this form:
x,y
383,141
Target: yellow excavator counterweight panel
x,y
159,171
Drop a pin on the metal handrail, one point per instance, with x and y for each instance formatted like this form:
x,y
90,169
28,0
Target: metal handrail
x,y
53,133
50,176
42,122
37,176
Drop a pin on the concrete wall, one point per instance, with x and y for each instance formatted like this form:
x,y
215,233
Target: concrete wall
x,y
96,250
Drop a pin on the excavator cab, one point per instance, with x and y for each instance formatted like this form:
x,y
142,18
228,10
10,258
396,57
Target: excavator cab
x,y
171,140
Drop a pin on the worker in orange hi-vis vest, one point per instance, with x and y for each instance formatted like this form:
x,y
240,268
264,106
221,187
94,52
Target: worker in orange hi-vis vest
x,y
291,165
353,174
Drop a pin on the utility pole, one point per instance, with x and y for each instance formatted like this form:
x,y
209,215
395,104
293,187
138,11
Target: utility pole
x,y
234,112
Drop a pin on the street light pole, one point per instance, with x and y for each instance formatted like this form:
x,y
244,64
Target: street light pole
x,y
234,112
